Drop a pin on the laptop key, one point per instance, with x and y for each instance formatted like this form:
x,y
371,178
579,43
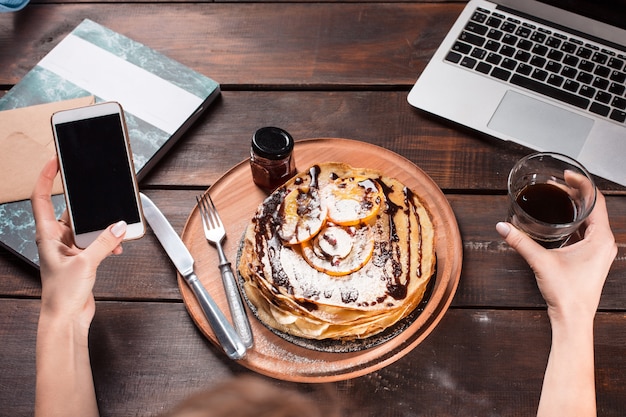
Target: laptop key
x,y
570,60
599,58
493,58
618,115
571,85
479,17
454,57
549,91
584,77
553,42
569,72
540,50
492,46
539,61
601,83
461,47
539,74
618,77
478,53
494,22
555,80
602,71
509,39
538,37
522,56
617,89
500,73
615,63
587,91
472,38
619,103
524,69
508,27
525,44
509,64
468,62
584,53
586,65
523,31
483,67
555,55
476,28
507,51
600,109
568,47
603,97
494,34
553,66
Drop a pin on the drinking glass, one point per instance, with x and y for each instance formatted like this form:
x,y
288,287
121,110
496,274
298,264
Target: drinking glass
x,y
550,195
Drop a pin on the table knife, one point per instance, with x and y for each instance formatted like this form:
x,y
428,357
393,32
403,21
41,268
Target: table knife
x,y
182,259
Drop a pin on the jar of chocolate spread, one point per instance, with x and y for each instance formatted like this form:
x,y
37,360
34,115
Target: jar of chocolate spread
x,y
271,158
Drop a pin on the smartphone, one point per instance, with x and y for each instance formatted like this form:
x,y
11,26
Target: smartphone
x,y
97,171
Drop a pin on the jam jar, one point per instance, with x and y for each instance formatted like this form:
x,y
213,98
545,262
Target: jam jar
x,y
271,159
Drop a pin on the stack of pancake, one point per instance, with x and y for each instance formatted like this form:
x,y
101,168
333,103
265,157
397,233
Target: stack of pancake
x,y
337,253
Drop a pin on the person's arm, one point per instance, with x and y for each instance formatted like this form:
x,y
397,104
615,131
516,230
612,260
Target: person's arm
x,y
64,383
571,280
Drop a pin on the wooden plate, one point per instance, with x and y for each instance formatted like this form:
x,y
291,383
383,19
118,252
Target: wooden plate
x,y
237,198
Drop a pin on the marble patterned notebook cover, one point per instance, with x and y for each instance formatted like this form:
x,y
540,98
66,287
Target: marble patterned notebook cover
x,y
161,99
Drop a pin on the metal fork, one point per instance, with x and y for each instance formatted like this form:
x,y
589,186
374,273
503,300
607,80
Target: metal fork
x,y
215,233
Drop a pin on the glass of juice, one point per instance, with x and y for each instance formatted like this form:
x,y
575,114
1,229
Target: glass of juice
x,y
550,196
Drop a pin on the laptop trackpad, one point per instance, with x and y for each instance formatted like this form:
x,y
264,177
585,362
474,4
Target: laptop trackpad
x,y
540,125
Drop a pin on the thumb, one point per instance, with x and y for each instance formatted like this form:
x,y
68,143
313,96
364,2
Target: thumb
x,y
520,241
106,243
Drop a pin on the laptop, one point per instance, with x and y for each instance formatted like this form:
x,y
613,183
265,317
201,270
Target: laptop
x,y
538,73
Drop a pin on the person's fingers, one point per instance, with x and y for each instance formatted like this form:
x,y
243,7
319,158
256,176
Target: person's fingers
x,y
579,181
107,242
520,241
599,216
41,202
598,229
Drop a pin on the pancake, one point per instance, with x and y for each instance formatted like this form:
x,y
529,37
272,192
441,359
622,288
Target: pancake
x,y
337,253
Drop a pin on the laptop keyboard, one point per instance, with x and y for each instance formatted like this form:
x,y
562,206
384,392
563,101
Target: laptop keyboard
x,y
538,58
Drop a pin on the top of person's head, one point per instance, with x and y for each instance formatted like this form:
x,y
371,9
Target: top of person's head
x,y
248,397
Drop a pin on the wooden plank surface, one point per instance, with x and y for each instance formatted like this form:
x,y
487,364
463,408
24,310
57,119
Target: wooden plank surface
x,y
148,356
493,275
300,45
317,69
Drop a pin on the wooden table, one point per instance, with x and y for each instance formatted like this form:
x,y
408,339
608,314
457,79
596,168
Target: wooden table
x,y
316,69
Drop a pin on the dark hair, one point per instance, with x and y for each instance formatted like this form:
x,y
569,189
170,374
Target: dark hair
x,y
249,396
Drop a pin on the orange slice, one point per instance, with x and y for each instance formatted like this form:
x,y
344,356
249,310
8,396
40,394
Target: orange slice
x,y
352,201
303,215
338,250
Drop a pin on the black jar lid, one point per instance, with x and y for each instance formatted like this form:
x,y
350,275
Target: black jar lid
x,y
272,143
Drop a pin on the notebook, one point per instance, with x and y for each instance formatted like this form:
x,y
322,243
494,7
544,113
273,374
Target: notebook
x,y
161,99
548,74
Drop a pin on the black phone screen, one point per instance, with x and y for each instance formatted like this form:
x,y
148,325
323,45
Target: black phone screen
x,y
98,178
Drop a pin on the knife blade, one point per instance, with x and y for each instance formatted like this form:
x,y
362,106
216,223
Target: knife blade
x,y
181,258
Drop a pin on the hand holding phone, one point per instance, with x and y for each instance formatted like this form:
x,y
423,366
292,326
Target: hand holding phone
x,y
97,171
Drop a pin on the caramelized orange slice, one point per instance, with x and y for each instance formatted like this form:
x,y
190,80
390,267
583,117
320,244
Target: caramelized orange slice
x,y
352,201
338,250
303,215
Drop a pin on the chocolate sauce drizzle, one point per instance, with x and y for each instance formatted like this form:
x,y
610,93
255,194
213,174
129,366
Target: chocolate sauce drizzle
x,y
269,219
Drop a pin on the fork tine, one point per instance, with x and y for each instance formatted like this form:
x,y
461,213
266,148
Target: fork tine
x,y
199,200
214,211
208,212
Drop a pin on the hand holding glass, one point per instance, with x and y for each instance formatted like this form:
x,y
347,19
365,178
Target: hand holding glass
x,y
550,196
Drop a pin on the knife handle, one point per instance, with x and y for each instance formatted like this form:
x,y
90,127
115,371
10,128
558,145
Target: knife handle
x,y
225,333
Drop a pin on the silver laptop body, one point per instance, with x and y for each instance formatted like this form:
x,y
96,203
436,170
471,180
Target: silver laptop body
x,y
510,104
